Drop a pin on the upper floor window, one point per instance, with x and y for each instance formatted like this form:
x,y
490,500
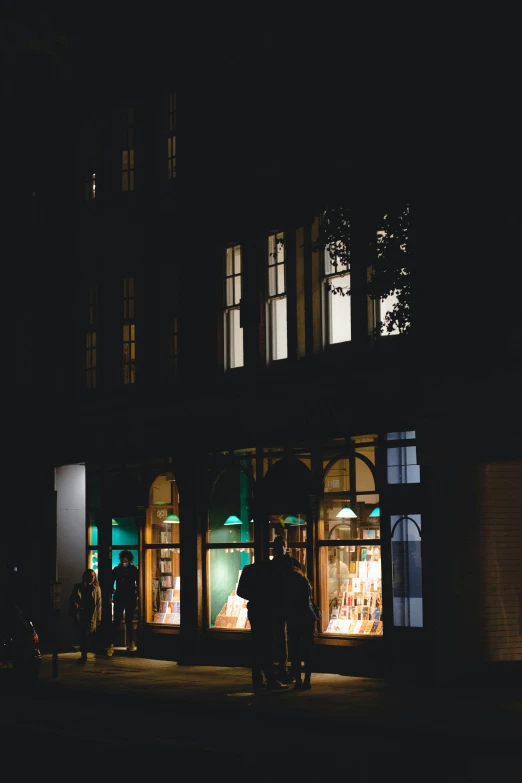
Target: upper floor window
x,y
233,333
90,187
389,275
129,332
401,458
276,302
171,136
337,325
90,338
127,151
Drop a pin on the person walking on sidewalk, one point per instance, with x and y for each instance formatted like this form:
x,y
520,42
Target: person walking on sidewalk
x,y
85,608
125,576
257,585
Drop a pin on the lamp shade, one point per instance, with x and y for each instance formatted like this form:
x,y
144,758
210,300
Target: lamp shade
x,y
376,512
346,513
172,519
233,520
291,520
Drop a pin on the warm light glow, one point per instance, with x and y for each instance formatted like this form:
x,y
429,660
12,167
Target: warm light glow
x,y
346,513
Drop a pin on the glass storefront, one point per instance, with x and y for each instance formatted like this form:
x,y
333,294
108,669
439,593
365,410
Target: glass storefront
x,y
162,553
350,572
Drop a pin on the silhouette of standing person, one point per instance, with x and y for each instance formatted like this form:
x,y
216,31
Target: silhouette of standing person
x,y
282,560
125,575
300,623
85,607
257,585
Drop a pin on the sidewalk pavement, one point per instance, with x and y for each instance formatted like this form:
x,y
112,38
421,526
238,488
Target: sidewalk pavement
x,y
477,713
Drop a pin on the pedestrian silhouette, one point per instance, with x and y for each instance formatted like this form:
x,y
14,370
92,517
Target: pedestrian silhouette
x,y
257,584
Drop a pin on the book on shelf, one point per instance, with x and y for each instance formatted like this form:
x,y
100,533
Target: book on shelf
x,y
362,626
164,552
379,628
343,614
163,606
169,594
342,626
165,537
356,584
175,618
329,628
157,617
369,533
161,617
351,626
177,585
169,619
357,627
369,625
166,581
242,618
375,626
353,567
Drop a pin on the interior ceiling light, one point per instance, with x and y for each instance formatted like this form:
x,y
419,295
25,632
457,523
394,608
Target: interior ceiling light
x,y
233,520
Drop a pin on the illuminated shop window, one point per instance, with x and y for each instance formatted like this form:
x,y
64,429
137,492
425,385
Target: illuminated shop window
x,y
350,575
277,337
162,553
233,333
230,545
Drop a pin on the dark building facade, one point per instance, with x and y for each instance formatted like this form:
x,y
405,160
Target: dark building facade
x,y
219,376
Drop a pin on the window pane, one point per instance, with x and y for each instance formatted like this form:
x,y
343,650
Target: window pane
x,y
272,281
229,261
402,467
280,278
278,329
233,340
406,570
124,533
237,289
227,610
237,259
352,580
340,524
165,595
339,328
92,560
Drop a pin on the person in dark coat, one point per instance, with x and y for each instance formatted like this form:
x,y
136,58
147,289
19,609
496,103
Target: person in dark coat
x,y
85,607
258,586
300,624
125,575
281,561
